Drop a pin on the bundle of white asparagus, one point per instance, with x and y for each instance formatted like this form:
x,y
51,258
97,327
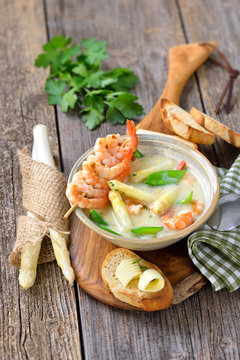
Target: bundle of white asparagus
x,y
30,252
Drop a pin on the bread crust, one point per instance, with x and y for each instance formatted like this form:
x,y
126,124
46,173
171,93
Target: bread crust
x,y
146,301
174,120
216,127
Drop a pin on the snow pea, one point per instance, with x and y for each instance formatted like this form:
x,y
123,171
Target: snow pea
x,y
165,177
144,230
138,154
97,218
187,200
109,230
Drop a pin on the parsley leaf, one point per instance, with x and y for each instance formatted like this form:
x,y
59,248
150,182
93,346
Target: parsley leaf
x,y
69,100
126,105
56,53
92,118
77,81
95,99
80,69
95,51
126,79
55,90
114,116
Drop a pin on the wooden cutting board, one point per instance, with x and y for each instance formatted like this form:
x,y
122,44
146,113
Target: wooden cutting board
x,y
88,249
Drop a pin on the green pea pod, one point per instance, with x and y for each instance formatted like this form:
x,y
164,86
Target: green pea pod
x,y
165,177
96,217
109,230
187,200
144,230
138,154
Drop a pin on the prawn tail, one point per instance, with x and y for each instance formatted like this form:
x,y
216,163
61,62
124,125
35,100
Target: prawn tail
x,y
121,177
128,157
131,133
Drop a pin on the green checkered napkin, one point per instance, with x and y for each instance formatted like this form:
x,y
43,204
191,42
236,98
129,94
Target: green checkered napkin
x,y
217,254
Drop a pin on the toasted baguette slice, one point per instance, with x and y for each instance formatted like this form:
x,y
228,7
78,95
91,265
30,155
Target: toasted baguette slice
x,y
131,294
182,123
216,127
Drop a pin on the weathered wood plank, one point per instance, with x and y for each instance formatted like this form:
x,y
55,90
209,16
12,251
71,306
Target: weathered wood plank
x,y
139,34
136,38
40,323
218,22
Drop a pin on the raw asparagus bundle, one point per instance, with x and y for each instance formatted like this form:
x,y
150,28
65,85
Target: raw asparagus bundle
x,y
30,252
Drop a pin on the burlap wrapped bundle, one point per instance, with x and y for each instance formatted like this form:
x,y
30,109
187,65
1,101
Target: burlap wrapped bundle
x,y
44,196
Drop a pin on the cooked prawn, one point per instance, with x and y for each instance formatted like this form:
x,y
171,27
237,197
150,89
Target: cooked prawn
x,y
92,192
91,178
111,160
76,196
107,150
188,179
121,177
110,150
111,173
134,209
198,207
179,222
181,165
132,139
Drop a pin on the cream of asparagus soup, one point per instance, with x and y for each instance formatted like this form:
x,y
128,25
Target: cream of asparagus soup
x,y
136,192
161,195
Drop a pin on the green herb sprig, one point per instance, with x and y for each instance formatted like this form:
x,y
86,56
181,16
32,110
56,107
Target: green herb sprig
x,y
77,81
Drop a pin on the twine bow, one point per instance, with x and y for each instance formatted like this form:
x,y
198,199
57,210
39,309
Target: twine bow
x,y
233,74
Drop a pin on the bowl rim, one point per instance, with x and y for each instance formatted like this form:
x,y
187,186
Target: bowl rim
x,y
166,240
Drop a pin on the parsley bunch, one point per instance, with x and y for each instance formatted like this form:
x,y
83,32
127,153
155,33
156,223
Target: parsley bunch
x,y
77,81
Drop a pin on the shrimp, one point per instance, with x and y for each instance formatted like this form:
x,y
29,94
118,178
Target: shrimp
x,y
76,196
181,165
91,191
179,222
132,139
106,149
123,174
111,160
134,209
110,150
188,179
198,207
90,178
111,173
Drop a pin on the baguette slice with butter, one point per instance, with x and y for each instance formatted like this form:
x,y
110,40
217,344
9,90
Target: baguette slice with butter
x,y
148,301
216,127
182,123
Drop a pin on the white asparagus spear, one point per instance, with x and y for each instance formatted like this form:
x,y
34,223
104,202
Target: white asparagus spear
x,y
42,153
30,254
29,260
120,210
142,174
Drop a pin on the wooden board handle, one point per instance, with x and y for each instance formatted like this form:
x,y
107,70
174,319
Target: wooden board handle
x,y
183,61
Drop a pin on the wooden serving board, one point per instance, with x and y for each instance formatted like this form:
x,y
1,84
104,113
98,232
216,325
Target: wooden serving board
x,y
88,249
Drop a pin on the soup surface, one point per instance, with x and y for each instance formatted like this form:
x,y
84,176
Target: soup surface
x,y
185,207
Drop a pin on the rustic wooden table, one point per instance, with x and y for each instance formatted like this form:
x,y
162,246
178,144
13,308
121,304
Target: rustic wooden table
x,y
53,320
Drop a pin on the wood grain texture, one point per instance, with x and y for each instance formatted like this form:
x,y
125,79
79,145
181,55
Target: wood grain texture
x,y
221,22
88,247
139,34
34,324
205,326
88,251
183,61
